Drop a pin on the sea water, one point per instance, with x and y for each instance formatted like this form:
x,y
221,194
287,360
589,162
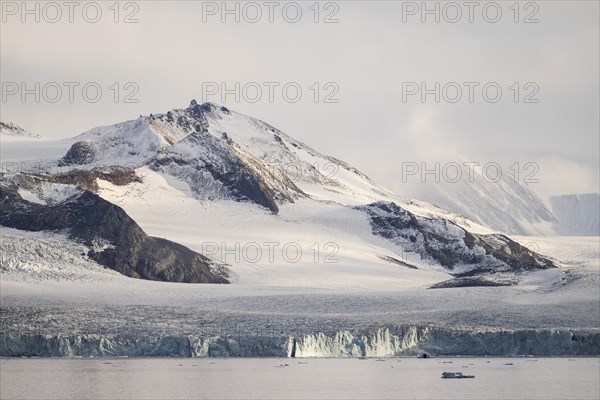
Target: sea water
x,y
289,378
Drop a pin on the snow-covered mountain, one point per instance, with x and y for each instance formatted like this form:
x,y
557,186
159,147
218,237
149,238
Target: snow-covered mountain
x,y
219,183
501,202
240,144
108,235
10,131
577,214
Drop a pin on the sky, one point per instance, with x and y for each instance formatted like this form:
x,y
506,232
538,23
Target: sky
x,y
379,84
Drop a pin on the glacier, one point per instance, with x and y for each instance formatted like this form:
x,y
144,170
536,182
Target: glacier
x,y
396,341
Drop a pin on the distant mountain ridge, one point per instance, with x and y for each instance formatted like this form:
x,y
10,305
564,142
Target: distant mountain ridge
x,y
504,203
577,214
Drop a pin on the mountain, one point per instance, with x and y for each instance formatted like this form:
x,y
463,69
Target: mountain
x,y
500,202
10,131
111,237
230,189
232,145
577,214
462,253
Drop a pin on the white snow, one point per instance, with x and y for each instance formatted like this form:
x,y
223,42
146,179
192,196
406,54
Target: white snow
x,y
45,268
13,133
577,215
507,205
36,257
30,196
336,244
48,193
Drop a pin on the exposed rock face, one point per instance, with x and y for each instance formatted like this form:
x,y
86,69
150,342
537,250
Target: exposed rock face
x,y
87,179
462,253
215,166
114,239
217,169
469,281
180,144
80,153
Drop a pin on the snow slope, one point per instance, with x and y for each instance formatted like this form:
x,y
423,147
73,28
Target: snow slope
x,y
321,177
10,132
494,199
307,244
577,214
47,256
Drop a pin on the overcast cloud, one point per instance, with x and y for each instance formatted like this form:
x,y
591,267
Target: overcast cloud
x,y
368,54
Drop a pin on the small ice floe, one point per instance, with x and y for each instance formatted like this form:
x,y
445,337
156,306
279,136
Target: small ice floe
x,y
455,375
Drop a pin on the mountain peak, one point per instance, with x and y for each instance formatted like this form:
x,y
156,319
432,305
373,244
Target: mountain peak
x,y
207,107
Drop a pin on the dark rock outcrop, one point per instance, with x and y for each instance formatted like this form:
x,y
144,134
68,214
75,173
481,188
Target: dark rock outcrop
x,y
475,281
215,168
87,179
179,143
80,153
462,253
113,238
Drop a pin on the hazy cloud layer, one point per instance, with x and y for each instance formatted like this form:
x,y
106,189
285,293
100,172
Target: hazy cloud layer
x,y
368,54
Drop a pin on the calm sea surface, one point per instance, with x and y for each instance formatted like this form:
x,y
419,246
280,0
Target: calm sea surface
x,y
526,378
